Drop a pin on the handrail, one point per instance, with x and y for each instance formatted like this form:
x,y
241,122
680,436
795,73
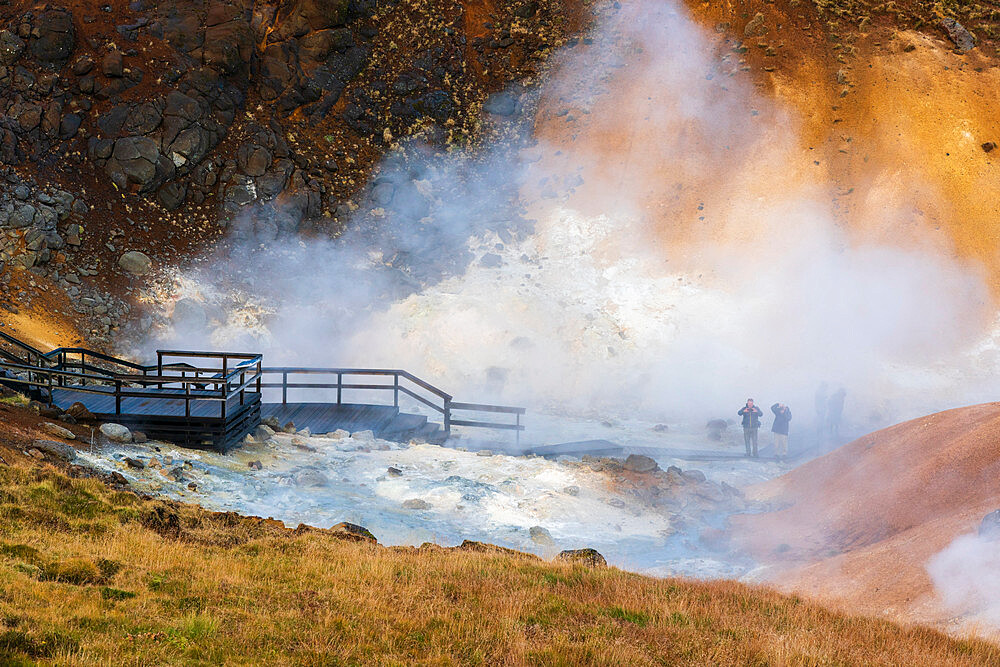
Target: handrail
x,y
52,369
446,405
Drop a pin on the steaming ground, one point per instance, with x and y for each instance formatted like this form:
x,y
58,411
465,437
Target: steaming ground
x,y
460,495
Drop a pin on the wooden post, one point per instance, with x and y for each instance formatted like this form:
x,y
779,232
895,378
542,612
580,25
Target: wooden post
x,y
284,387
259,367
340,386
118,396
395,392
187,400
159,366
243,380
50,389
518,431
447,415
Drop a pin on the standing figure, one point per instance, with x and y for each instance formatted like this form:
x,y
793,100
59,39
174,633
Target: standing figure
x,y
834,411
782,415
751,422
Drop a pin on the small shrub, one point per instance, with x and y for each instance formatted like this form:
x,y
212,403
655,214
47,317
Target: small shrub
x,y
35,646
108,567
108,593
77,571
21,552
635,617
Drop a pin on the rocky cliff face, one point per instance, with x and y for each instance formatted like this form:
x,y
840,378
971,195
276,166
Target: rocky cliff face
x,y
151,126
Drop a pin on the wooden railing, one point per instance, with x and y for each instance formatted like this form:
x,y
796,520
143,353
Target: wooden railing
x,y
403,382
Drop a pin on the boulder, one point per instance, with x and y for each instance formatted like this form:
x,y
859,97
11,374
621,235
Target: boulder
x,y
116,432
79,412
11,47
311,478
54,36
500,104
113,64
416,504
352,531
263,433
138,158
135,262
59,450
957,33
134,463
58,431
541,536
640,464
172,195
589,557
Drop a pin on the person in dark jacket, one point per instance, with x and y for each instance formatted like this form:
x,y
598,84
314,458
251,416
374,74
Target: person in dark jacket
x,y
751,423
779,429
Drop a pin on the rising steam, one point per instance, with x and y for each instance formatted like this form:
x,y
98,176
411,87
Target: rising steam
x,y
684,254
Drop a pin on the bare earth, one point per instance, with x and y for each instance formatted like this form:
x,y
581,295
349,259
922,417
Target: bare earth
x,y
860,523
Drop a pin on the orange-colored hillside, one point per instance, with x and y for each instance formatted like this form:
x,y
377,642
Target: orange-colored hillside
x,y
859,525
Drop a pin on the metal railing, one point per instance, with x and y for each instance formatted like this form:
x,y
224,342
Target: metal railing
x,y
190,383
403,382
233,375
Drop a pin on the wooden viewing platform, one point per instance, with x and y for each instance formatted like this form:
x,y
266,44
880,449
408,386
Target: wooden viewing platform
x,y
213,399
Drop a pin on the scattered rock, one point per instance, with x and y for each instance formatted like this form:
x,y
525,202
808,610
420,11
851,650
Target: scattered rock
x,y
135,262
58,431
588,557
263,433
59,450
311,478
484,452
696,476
661,428
139,437
134,463
79,412
36,454
416,504
363,436
271,423
394,472
116,432
353,531
571,490
641,464
255,465
963,39
541,536
989,146
119,478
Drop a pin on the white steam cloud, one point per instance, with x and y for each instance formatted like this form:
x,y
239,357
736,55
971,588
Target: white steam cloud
x,y
619,297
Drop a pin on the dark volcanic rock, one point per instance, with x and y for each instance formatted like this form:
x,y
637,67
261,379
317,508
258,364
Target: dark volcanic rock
x,y
589,557
54,37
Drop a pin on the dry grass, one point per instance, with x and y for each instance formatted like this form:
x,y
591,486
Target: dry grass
x,y
92,576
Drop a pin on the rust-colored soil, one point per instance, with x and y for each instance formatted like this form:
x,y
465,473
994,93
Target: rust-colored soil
x,y
858,525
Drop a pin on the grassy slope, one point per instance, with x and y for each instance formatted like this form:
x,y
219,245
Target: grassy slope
x,y
91,575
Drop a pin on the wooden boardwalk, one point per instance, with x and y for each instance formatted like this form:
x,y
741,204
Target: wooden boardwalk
x,y
213,399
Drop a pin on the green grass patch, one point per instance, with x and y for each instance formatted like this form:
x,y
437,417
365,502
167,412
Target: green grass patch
x,y
108,593
628,616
